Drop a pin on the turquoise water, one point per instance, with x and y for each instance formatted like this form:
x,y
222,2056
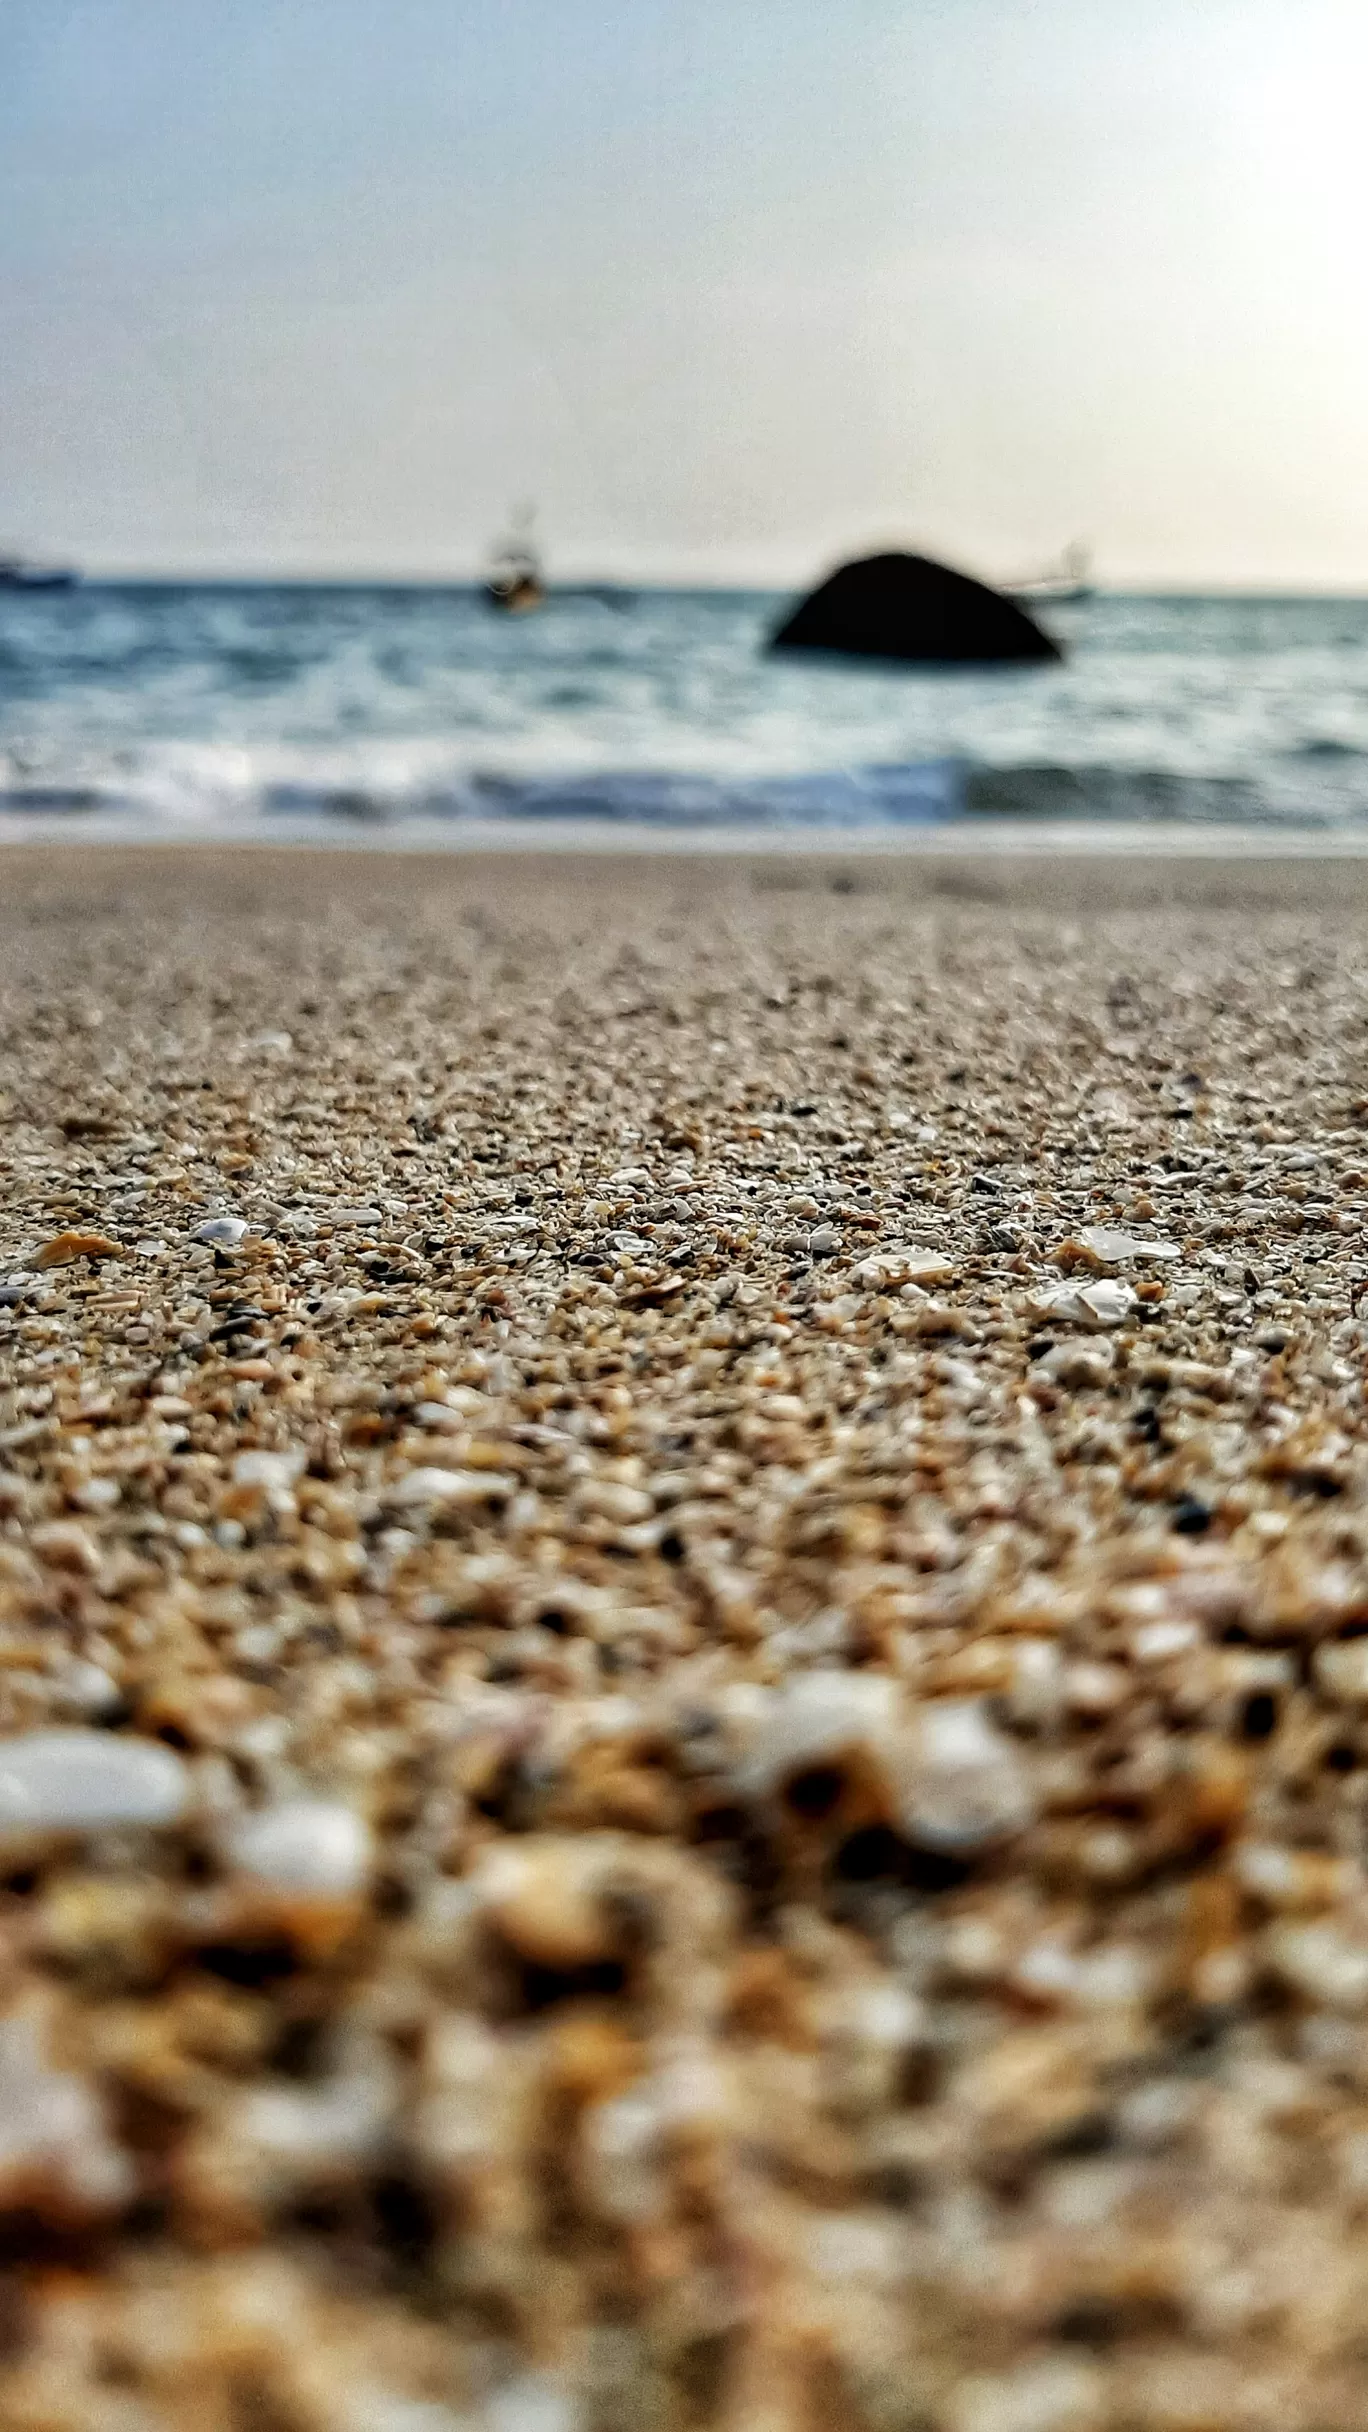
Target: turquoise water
x,y
291,709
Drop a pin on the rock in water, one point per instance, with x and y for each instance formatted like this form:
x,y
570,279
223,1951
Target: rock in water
x,y
899,607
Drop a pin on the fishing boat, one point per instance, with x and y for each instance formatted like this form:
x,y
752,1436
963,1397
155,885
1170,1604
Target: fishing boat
x,y
515,583
1058,586
21,574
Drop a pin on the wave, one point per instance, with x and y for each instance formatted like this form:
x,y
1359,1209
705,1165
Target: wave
x,y
214,789
197,792
1047,790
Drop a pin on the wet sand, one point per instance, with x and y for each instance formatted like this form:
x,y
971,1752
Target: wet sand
x,y
696,1528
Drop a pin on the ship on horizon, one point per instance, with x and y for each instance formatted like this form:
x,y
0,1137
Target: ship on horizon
x,y
1059,585
516,581
25,574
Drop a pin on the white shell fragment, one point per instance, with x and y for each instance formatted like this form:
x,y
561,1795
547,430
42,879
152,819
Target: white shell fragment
x,y
223,1232
1105,1303
963,1784
313,1846
83,1781
1117,1249
452,1487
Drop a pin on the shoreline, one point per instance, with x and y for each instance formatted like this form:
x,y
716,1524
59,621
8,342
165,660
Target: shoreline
x,y
1020,838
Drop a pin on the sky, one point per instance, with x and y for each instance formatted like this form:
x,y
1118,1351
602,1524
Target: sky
x,y
730,288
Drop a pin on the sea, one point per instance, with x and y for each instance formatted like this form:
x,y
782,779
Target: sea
x,y
417,714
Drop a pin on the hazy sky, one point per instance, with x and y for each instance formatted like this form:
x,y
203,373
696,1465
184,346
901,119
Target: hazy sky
x,y
728,286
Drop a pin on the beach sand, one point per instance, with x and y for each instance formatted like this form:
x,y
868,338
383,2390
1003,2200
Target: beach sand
x,y
685,1714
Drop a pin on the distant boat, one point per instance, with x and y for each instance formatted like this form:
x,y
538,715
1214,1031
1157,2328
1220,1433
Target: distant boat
x,y
21,574
1058,586
516,583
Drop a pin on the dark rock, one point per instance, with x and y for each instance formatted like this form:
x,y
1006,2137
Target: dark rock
x,y
909,608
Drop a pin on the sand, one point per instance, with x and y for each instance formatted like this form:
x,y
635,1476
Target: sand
x,y
683,1643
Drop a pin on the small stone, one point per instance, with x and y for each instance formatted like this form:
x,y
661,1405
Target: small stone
x,y
1035,1688
543,1900
317,1847
64,1248
65,1546
817,1717
1341,1670
95,1494
453,1489
56,2158
614,1501
963,1784
1321,1963
85,1781
1083,1366
224,1232
277,1472
86,1689
533,2402
1046,2394
1159,1641
1094,1689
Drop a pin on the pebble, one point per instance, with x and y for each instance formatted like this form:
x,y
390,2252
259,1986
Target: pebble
x,y
309,1846
277,1472
1063,2394
56,2156
84,1781
1085,1365
1342,1669
532,2402
455,1488
89,1690
816,1717
1324,1964
963,1784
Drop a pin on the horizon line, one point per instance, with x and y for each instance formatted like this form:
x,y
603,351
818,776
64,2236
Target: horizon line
x,y
576,578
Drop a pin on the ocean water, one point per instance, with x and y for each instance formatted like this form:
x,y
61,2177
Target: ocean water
x,y
398,713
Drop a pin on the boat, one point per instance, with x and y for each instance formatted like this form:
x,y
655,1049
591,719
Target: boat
x,y
21,574
515,583
1058,586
